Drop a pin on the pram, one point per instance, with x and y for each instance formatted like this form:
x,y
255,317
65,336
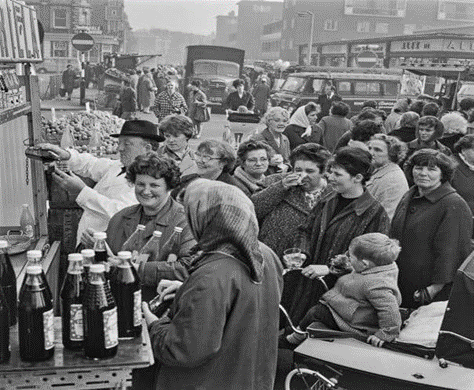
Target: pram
x,y
240,126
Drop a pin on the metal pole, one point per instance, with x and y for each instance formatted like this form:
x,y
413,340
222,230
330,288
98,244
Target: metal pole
x,y
310,48
83,80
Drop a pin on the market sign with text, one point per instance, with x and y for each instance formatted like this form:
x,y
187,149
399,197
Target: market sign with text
x,y
19,34
426,45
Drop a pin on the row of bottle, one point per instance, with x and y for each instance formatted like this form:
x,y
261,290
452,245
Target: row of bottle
x,y
95,311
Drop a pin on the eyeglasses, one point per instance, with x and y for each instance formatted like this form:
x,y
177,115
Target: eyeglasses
x,y
205,158
253,161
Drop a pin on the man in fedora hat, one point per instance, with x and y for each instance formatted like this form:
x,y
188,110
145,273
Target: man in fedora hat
x,y
112,192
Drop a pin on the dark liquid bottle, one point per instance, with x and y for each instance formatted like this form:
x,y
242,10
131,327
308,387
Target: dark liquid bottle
x,y
8,282
100,316
4,329
126,289
34,259
100,250
88,258
72,294
35,318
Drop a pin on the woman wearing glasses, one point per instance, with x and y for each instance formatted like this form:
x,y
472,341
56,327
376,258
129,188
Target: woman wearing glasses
x,y
253,157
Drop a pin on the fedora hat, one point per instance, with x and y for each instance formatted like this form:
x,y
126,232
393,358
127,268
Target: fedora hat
x,y
140,128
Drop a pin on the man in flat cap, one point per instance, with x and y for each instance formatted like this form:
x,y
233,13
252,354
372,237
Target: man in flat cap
x,y
112,192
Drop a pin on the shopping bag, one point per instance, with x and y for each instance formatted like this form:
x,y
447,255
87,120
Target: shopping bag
x,y
202,114
62,91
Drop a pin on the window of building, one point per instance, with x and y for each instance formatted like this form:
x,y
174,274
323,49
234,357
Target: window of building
x,y
60,17
409,29
381,28
330,25
390,88
344,87
387,8
59,48
367,88
262,8
459,10
363,27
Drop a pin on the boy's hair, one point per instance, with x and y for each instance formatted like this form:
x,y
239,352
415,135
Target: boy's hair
x,y
375,247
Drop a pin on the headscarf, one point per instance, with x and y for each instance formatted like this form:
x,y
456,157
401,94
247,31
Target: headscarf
x,y
223,219
300,119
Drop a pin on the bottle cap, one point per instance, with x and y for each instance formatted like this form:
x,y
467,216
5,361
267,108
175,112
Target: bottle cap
x,y
178,229
3,244
100,235
125,255
97,268
34,270
141,227
24,205
88,252
74,257
157,233
34,254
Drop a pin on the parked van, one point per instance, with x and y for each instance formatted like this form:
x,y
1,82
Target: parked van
x,y
354,88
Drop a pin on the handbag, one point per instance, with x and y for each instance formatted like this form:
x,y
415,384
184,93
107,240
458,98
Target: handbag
x,y
62,91
202,114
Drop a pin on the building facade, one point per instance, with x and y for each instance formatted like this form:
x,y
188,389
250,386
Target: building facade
x,y
271,41
339,20
61,20
226,30
252,17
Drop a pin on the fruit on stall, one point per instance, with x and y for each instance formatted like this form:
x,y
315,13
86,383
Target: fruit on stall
x,y
90,130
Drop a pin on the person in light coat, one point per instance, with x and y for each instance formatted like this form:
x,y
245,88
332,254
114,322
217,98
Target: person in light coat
x,y
112,192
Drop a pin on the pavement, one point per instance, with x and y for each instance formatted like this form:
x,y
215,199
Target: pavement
x,y
62,104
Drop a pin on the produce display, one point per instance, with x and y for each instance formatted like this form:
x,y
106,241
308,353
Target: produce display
x,y
90,130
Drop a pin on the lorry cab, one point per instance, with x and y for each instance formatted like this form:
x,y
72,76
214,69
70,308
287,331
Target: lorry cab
x,y
354,88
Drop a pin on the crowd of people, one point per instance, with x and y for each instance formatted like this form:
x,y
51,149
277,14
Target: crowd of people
x,y
389,197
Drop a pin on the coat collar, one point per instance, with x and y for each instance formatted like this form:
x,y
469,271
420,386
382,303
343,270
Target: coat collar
x,y
385,170
443,190
381,268
360,205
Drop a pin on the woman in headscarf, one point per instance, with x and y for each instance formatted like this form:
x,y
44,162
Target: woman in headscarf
x,y
302,127
222,330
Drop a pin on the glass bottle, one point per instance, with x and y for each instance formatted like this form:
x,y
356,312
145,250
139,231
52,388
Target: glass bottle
x,y
72,294
27,222
134,241
175,243
8,281
4,328
100,316
151,249
126,289
88,258
34,258
35,318
100,249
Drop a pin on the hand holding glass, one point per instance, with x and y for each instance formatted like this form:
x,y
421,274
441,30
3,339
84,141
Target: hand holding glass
x,y
293,259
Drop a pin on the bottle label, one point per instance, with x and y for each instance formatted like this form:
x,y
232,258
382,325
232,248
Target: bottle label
x,y
76,324
137,308
29,232
48,326
110,328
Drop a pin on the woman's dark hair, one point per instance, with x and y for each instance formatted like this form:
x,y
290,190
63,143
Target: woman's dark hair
x,y
382,114
430,109
250,145
311,152
466,104
153,165
433,122
221,149
310,107
409,119
354,161
176,125
196,83
466,142
364,130
238,82
340,108
431,158
370,104
368,113
397,150
417,106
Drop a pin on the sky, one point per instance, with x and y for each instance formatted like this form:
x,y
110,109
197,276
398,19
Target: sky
x,y
191,16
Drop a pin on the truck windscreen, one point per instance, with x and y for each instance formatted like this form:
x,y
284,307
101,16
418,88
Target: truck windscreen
x,y
293,84
218,68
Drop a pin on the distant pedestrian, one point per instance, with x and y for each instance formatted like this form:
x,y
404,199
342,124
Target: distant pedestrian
x,y
327,99
335,125
128,101
197,103
169,102
68,80
261,94
146,91
239,98
133,79
88,73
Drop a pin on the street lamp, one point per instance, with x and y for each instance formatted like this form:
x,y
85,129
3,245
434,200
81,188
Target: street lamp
x,y
310,48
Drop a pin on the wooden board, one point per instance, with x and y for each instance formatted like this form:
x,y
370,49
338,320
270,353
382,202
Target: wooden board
x,y
362,357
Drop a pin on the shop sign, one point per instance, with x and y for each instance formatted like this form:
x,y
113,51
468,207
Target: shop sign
x,y
377,48
459,45
334,49
417,45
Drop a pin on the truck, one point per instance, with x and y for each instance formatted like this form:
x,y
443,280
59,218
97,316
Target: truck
x,y
216,67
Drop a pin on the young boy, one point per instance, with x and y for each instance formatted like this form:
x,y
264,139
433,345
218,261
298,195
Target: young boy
x,y
365,301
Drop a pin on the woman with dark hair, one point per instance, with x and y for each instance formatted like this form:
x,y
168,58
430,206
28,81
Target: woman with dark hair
x,y
434,226
428,131
239,98
153,177
345,212
197,100
335,125
361,133
463,178
406,131
253,161
388,182
302,127
285,204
